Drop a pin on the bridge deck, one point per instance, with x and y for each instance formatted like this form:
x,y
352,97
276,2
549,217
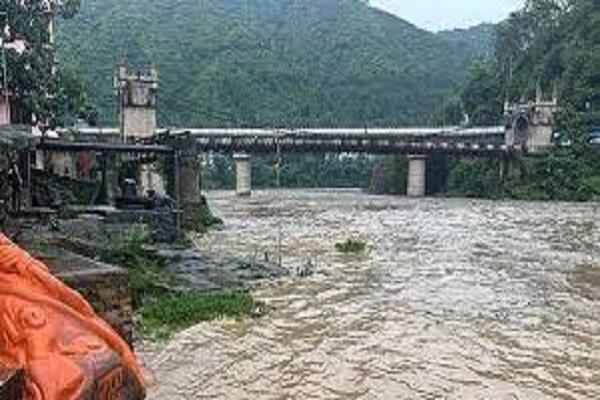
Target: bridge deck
x,y
480,141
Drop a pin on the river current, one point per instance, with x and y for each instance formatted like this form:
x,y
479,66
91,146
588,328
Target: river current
x,y
455,299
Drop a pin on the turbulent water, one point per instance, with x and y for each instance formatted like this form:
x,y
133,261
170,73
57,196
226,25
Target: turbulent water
x,y
455,299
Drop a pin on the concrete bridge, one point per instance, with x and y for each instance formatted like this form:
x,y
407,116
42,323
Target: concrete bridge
x,y
456,140
415,142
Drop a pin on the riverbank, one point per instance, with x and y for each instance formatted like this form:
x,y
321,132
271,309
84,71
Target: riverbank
x,y
164,287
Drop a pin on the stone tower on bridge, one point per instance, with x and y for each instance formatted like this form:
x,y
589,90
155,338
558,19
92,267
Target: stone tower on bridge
x,y
531,123
137,97
137,93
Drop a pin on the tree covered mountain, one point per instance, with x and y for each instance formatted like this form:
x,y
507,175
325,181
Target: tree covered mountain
x,y
480,38
269,62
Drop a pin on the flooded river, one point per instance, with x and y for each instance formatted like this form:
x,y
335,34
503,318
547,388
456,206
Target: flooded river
x,y
455,299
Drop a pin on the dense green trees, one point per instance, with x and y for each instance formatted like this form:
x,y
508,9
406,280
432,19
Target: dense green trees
x,y
36,86
551,43
554,44
297,171
270,63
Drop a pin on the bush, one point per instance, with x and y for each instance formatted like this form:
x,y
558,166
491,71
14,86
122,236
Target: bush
x,y
148,277
351,246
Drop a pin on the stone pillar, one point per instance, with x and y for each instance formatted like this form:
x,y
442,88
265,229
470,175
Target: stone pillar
x,y
189,176
188,186
417,165
4,109
243,174
510,167
110,178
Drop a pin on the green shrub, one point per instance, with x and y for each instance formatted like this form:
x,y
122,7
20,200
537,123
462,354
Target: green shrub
x,y
351,246
146,270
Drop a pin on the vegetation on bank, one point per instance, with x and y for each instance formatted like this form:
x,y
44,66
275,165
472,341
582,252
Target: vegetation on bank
x,y
148,277
553,44
199,218
563,174
351,246
167,304
176,312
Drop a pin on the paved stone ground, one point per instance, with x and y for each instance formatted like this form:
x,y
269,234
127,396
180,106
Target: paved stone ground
x,y
213,272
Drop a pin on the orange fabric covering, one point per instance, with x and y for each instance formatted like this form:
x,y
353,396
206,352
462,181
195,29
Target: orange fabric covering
x,y
53,333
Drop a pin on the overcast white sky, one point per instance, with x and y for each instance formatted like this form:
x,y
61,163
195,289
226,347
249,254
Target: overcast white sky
x,y
437,15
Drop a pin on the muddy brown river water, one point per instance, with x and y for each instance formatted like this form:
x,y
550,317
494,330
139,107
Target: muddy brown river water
x,y
455,299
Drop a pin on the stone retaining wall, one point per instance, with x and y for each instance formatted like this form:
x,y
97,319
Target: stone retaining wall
x,y
104,286
107,290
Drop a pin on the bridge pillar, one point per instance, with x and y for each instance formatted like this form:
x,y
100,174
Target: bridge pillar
x,y
110,178
188,185
416,175
243,174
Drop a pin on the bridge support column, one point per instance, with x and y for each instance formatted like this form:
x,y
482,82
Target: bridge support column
x,y
243,174
188,185
416,175
110,178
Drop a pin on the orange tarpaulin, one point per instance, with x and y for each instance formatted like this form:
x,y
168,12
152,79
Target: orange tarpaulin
x,y
50,331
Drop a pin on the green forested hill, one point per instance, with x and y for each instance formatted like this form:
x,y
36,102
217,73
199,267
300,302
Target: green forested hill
x,y
479,38
268,62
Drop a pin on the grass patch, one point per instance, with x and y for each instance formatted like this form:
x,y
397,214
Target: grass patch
x,y
173,313
146,270
351,246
